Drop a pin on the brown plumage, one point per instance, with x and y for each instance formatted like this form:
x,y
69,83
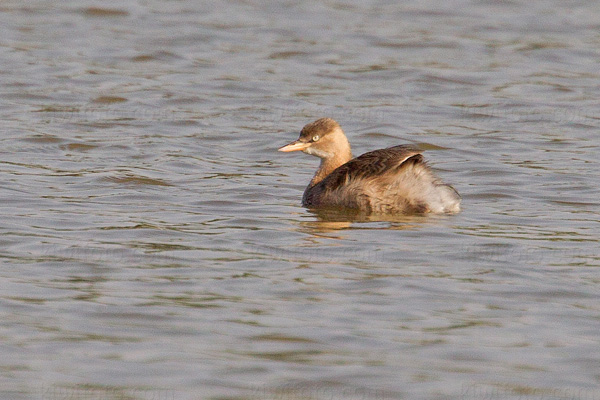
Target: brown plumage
x,y
392,180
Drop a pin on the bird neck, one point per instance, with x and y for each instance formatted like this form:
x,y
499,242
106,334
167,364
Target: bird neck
x,y
329,164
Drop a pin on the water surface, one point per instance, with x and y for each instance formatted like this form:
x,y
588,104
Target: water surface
x,y
152,240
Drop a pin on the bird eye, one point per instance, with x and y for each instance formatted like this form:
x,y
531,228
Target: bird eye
x,y
315,138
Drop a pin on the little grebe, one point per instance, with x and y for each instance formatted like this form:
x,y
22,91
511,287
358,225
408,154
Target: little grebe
x,y
392,180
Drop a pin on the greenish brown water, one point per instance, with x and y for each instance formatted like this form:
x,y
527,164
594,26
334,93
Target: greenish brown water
x,y
152,242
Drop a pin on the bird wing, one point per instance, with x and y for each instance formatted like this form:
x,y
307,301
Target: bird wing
x,y
343,184
372,164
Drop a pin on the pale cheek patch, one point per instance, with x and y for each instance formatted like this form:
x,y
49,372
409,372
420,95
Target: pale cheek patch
x,y
316,152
